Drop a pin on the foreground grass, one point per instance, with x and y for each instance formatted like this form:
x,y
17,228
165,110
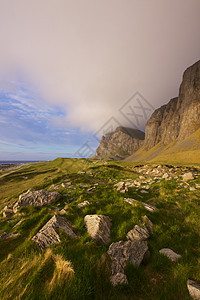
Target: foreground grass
x,y
79,269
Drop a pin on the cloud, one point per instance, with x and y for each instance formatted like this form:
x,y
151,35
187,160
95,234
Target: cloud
x,y
88,57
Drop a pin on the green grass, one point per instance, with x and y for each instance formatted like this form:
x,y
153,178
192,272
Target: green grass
x,y
25,273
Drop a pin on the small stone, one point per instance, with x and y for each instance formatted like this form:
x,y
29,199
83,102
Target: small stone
x,y
170,254
137,233
8,235
194,289
66,184
192,189
165,176
188,176
144,192
83,204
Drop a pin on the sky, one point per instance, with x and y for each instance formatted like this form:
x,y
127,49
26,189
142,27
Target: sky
x,y
72,70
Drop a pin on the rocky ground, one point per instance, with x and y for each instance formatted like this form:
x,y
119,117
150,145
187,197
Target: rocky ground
x,y
86,229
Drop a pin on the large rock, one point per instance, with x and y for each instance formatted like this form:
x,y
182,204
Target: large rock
x,y
122,253
48,234
194,289
36,198
98,227
120,143
180,117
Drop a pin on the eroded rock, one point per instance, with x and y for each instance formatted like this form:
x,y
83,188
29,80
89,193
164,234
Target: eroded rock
x,y
194,289
48,233
188,176
36,198
137,233
98,227
170,254
122,253
147,206
83,204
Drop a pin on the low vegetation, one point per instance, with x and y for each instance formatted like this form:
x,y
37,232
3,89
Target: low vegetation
x,y
80,268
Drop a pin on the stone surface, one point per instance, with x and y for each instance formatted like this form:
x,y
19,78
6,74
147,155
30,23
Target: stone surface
x,y
83,204
180,117
120,143
7,211
8,235
119,278
147,206
194,289
137,233
98,227
48,234
36,198
188,176
170,254
122,253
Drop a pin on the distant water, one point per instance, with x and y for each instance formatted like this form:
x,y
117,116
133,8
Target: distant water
x,y
8,162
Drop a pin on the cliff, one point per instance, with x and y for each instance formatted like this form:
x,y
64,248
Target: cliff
x,y
120,143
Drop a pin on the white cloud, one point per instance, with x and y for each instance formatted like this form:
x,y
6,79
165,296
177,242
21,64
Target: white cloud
x,y
90,56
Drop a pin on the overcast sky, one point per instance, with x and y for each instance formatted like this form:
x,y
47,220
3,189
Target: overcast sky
x,y
68,66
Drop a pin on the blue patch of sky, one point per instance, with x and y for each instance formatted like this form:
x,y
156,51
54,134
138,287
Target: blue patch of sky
x,y
28,130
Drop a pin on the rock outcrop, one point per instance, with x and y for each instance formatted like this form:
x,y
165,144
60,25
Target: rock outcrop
x,y
181,116
36,198
48,234
119,144
122,253
98,227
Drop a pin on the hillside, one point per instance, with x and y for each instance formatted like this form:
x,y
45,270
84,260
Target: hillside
x,y
51,252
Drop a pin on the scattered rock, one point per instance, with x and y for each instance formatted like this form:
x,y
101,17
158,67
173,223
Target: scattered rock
x,y
98,227
122,253
194,289
18,223
188,176
48,233
36,198
125,190
90,190
144,192
165,175
137,233
8,235
83,204
170,254
120,186
192,189
7,211
147,206
66,184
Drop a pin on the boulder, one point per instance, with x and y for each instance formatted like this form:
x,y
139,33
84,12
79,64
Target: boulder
x,y
122,253
36,198
48,234
137,233
98,227
194,289
170,254
188,176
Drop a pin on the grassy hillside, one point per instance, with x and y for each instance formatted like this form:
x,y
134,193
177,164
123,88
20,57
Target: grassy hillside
x,y
80,268
184,152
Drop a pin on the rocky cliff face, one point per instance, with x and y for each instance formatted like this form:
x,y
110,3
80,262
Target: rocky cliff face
x,y
120,143
181,116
